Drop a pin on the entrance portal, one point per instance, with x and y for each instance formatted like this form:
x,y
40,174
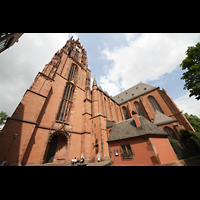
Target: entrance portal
x,y
52,149
56,148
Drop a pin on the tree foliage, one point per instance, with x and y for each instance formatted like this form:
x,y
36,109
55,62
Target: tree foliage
x,y
3,117
192,76
194,121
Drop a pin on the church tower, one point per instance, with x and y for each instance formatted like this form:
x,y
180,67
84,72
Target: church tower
x,y
51,121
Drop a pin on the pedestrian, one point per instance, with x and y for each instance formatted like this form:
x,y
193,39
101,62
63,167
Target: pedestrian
x,y
82,158
73,161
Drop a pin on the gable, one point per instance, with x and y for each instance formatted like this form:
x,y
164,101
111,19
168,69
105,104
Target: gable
x,y
161,118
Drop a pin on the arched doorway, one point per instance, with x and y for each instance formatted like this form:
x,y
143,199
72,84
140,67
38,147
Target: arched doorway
x,y
56,148
52,149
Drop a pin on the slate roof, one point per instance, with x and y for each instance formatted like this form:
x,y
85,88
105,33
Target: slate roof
x,y
161,118
126,129
133,92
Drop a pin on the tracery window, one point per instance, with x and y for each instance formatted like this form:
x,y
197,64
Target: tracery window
x,y
154,104
73,71
66,103
138,108
125,111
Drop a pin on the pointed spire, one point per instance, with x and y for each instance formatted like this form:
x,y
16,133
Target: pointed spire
x,y
71,38
77,41
94,82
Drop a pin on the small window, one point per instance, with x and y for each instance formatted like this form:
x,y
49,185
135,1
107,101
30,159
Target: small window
x,y
116,152
126,151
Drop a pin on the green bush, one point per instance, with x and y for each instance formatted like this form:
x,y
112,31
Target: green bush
x,y
185,134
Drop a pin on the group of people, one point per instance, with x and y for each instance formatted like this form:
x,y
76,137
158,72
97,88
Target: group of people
x,y
76,161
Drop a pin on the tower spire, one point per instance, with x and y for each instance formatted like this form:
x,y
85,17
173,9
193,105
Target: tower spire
x,y
94,82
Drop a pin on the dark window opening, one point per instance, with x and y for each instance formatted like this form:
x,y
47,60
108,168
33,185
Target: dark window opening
x,y
76,54
72,72
66,103
154,104
170,132
126,112
138,108
126,151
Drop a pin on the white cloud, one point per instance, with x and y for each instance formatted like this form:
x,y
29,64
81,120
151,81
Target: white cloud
x,y
20,64
146,57
110,87
188,104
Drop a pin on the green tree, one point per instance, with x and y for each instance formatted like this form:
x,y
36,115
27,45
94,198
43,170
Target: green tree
x,y
3,117
194,121
192,76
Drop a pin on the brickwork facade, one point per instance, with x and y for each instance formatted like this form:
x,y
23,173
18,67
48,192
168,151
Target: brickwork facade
x,y
60,116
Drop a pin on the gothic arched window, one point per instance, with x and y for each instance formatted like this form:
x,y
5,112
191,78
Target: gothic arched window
x,y
76,54
73,71
105,106
66,103
113,111
138,108
125,111
154,104
170,132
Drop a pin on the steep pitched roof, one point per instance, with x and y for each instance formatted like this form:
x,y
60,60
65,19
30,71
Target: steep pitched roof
x,y
133,92
161,118
126,129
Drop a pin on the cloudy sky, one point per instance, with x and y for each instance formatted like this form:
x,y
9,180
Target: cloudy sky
x,y
117,60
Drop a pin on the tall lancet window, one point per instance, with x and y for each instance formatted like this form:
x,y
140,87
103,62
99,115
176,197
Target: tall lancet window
x,y
66,103
126,112
76,54
154,104
138,108
73,71
105,106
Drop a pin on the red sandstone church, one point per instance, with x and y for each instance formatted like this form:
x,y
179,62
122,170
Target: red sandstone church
x,y
60,117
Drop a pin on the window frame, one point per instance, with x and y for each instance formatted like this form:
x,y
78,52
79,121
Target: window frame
x,y
126,151
155,105
66,103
